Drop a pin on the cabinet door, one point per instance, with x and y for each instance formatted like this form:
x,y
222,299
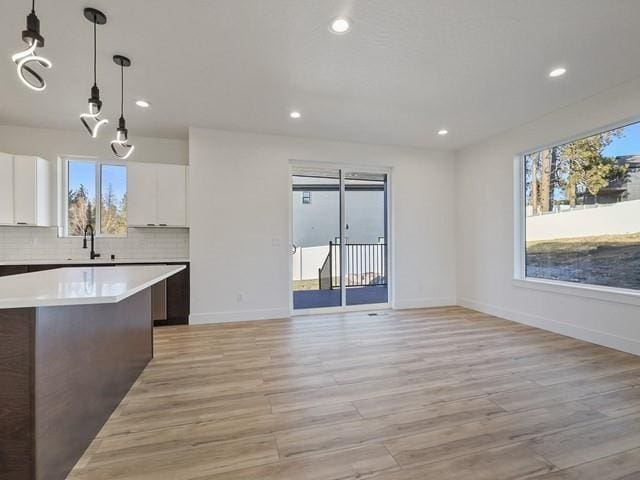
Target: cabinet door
x,y
141,194
24,174
6,188
172,195
43,193
178,298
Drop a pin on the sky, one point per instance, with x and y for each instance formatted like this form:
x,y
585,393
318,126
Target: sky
x,y
629,144
85,173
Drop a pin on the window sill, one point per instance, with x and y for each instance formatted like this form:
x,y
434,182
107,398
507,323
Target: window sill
x,y
594,292
106,237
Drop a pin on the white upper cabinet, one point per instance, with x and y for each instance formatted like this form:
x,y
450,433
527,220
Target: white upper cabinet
x,y
6,188
172,195
156,195
141,194
24,190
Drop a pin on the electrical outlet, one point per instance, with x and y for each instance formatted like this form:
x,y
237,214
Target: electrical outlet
x,y
240,297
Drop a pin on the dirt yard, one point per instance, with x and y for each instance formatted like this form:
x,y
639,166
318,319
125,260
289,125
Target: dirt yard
x,y
609,260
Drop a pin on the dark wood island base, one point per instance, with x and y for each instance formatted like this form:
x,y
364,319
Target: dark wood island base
x,y
63,370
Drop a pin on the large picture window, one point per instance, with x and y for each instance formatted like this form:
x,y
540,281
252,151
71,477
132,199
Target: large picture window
x,y
96,196
582,210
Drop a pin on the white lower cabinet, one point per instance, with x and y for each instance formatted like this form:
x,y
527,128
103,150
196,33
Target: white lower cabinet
x,y
24,190
156,195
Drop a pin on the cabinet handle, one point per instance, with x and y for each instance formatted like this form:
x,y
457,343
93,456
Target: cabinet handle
x,y
151,224
162,224
21,223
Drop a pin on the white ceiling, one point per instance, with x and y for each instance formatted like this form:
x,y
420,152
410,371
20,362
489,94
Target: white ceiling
x,y
406,69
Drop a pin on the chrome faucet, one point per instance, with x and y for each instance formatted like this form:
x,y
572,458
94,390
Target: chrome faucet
x,y
93,253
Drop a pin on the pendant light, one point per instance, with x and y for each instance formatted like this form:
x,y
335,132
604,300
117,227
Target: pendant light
x,y
121,147
31,36
92,121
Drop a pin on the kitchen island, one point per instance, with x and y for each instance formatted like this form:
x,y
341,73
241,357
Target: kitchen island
x,y
72,342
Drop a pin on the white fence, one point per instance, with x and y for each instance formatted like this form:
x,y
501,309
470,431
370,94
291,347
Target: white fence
x,y
613,219
307,261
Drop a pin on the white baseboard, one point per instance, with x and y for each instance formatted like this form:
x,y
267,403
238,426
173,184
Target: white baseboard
x,y
423,303
593,336
238,316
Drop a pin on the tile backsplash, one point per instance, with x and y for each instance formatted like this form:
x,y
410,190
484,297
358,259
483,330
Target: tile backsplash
x,y
38,243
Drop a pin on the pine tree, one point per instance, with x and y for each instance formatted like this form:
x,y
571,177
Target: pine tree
x,y
109,211
584,168
81,211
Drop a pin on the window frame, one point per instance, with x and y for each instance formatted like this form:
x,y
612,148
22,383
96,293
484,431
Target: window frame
x,y
98,179
520,278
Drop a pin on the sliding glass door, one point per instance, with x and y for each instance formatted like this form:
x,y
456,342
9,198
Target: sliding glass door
x,y
365,238
340,238
316,225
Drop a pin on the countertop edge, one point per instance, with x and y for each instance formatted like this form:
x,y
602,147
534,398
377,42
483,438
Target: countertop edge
x,y
118,261
139,288
67,302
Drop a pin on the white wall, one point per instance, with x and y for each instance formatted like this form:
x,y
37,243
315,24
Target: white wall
x,y
239,206
49,144
485,228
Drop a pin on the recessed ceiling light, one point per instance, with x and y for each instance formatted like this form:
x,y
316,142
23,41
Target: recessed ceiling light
x,y
143,103
443,132
340,25
295,114
557,72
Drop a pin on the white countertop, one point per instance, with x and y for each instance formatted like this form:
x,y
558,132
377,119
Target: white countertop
x,y
100,261
80,285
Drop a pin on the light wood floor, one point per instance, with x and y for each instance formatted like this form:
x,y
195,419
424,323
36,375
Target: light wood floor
x,y
438,394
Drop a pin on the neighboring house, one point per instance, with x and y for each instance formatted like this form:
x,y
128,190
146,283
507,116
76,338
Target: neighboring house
x,y
619,190
632,183
316,217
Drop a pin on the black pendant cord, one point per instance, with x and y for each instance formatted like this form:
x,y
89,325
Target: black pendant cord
x,y
33,6
121,91
94,50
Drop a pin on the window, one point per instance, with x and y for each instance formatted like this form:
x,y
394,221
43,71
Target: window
x,y
88,181
582,210
306,197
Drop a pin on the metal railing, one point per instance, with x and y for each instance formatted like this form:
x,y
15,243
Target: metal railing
x,y
325,273
365,265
